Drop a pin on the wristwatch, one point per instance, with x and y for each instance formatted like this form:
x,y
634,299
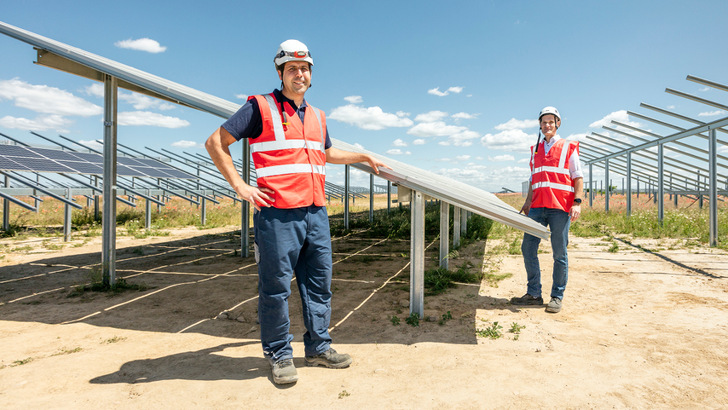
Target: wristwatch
x,y
577,201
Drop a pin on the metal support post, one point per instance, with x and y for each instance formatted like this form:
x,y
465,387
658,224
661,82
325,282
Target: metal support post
x,y
148,211
346,196
108,253
417,254
463,222
371,198
700,191
606,182
67,217
660,183
629,183
6,208
389,196
203,211
713,187
97,200
456,227
444,233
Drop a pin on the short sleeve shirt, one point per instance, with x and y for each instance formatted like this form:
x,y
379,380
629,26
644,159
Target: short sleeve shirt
x,y
247,122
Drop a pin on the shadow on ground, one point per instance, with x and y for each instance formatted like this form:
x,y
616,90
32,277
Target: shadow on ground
x,y
201,284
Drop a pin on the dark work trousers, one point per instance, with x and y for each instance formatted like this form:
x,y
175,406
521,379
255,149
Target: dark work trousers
x,y
289,241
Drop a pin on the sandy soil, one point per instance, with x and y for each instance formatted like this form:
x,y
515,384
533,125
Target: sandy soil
x,y
641,327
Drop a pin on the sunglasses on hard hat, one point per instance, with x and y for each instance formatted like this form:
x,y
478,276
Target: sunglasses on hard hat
x,y
294,54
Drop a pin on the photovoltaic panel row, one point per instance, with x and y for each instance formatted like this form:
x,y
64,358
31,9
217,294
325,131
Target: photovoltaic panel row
x,y
17,158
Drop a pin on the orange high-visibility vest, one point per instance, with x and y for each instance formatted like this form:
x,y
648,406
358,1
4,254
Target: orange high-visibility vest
x,y
550,177
290,158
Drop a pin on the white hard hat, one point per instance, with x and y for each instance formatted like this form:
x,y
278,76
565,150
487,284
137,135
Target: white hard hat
x,y
549,110
292,50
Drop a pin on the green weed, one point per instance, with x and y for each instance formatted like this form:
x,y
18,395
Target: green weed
x,y
413,319
445,317
492,332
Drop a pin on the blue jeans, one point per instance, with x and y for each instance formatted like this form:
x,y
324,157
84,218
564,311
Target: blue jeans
x,y
559,222
292,241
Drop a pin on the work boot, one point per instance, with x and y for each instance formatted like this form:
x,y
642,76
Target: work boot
x,y
527,300
284,372
329,359
554,306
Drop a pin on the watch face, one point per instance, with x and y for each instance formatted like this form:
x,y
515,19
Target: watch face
x,y
577,200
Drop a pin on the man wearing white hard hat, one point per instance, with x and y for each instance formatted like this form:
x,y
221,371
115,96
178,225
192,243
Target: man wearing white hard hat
x,y
290,146
554,200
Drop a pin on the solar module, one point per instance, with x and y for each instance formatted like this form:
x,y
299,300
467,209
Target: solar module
x,y
18,158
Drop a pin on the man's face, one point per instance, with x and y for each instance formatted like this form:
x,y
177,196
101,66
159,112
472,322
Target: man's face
x,y
296,77
549,125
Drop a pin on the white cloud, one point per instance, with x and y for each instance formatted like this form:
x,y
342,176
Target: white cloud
x,y
509,140
458,136
620,116
397,151
45,99
711,113
462,157
187,144
431,116
435,129
41,123
436,91
141,44
513,124
354,99
399,143
150,119
371,118
95,89
418,141
501,158
242,96
463,139
463,116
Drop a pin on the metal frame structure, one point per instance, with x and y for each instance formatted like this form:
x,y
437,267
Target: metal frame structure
x,y
421,183
699,161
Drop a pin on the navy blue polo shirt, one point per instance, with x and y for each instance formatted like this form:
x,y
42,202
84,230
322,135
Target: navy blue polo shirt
x,y
247,122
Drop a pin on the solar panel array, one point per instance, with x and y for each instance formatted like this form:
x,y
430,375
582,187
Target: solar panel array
x,y
17,158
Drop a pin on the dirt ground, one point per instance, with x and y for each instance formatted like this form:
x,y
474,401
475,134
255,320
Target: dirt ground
x,y
641,327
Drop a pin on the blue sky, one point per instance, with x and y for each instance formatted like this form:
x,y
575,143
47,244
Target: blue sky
x,y
451,87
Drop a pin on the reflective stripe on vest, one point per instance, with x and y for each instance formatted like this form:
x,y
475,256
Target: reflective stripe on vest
x,y
286,144
290,169
553,185
277,126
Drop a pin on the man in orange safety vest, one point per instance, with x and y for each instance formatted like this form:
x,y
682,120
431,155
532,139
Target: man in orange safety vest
x,y
554,200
